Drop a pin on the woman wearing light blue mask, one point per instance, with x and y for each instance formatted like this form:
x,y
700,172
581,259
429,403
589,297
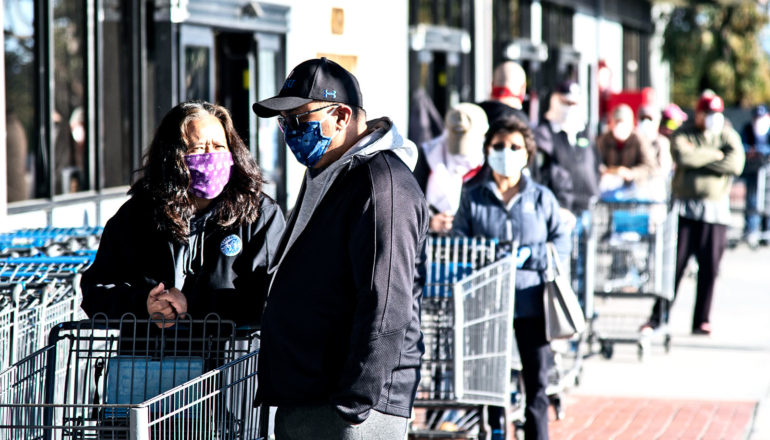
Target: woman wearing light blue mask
x,y
508,205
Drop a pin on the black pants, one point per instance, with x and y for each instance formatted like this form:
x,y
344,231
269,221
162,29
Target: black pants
x,y
707,242
536,358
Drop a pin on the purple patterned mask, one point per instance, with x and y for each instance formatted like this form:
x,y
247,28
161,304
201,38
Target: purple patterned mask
x,y
209,173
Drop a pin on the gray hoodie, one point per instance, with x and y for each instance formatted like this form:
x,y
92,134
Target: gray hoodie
x,y
381,136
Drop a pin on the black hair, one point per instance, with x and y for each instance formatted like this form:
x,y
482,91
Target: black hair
x,y
509,125
164,177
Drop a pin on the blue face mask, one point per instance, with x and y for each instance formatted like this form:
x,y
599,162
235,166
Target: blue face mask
x,y
308,142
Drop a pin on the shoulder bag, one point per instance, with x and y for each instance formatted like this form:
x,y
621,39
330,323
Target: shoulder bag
x,y
563,314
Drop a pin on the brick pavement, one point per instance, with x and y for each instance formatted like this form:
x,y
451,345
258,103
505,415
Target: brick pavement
x,y
622,418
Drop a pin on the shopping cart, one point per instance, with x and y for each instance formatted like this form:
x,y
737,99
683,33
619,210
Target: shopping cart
x,y
633,244
50,241
467,315
131,379
35,294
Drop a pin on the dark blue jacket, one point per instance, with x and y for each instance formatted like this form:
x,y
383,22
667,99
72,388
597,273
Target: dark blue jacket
x,y
532,221
342,321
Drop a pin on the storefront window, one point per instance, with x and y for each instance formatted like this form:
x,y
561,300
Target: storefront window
x,y
197,78
21,153
117,122
271,149
70,149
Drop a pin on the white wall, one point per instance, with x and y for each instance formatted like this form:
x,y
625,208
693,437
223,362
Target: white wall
x,y
610,47
482,42
660,71
376,33
585,37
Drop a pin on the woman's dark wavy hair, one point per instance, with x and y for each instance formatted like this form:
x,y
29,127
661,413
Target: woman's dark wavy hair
x,y
510,125
164,177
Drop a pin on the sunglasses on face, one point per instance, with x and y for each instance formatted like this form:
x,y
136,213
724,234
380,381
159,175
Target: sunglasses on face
x,y
500,146
292,122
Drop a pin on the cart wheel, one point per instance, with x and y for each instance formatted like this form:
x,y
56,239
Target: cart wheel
x,y
667,343
607,350
641,351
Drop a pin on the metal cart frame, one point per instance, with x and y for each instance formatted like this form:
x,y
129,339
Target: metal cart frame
x,y
633,244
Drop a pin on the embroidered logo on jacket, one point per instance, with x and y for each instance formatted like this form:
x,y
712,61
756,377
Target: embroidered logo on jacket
x,y
231,245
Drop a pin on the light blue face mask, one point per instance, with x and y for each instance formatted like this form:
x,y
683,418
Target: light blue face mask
x,y
308,142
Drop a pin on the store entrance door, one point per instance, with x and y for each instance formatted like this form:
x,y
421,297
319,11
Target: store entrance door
x,y
235,63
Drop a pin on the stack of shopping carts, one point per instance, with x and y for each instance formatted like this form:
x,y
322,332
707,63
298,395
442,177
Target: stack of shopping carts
x,y
40,273
35,294
633,248
467,315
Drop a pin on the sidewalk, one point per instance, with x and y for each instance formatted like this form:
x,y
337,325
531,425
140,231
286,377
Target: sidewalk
x,y
706,387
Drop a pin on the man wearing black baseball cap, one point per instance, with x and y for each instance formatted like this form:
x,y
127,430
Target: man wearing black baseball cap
x,y
341,343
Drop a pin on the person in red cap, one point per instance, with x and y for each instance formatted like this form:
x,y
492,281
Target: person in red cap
x,y
708,153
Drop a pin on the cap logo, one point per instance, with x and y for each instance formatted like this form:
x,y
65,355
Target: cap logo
x,y
289,83
330,93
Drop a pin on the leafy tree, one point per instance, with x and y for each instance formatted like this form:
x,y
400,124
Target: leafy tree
x,y
713,45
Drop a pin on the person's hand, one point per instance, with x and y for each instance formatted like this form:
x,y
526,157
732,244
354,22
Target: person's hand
x,y
568,218
441,222
721,155
176,299
522,255
625,173
159,308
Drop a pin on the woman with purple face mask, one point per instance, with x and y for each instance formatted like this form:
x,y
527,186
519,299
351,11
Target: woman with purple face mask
x,y
197,234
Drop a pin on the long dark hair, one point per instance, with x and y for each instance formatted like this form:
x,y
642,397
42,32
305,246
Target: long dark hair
x,y
164,177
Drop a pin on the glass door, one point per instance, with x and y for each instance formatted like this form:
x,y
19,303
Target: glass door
x,y
196,63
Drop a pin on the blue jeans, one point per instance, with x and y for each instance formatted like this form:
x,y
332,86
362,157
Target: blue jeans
x,y
755,221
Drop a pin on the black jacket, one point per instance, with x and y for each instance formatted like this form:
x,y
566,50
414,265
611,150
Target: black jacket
x,y
133,257
571,172
341,325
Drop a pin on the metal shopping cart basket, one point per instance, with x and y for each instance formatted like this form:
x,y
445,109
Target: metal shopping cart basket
x,y
634,256
131,379
467,315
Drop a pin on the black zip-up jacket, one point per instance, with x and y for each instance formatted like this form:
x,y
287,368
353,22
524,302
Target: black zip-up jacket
x,y
342,321
571,172
133,257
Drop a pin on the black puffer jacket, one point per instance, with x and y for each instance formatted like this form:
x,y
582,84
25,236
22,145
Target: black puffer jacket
x,y
342,322
133,257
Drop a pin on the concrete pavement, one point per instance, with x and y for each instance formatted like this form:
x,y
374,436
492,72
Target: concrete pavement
x,y
711,378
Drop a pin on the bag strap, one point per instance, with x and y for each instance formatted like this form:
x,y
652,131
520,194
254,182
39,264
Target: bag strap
x,y
554,263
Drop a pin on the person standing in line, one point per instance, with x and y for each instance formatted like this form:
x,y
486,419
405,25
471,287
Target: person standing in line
x,y
756,142
567,162
341,342
509,87
510,207
624,153
707,153
197,234
649,128
454,157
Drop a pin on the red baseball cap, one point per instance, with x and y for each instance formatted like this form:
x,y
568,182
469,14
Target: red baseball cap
x,y
710,103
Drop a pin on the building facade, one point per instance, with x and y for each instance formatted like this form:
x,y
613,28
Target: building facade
x,y
85,82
